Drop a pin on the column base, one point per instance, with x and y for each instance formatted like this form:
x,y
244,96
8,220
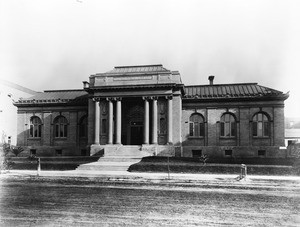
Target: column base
x,y
96,150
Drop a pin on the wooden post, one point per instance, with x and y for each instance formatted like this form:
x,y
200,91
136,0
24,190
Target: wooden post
x,y
38,166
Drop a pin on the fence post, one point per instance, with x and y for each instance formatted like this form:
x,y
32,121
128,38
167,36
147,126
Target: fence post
x,y
38,166
243,171
168,168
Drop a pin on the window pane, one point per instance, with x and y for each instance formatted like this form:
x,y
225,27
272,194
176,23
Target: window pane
x,y
202,132
259,116
232,128
265,118
259,129
56,130
227,129
61,130
65,130
196,118
197,129
31,131
191,129
222,129
266,129
254,128
35,131
40,130
227,117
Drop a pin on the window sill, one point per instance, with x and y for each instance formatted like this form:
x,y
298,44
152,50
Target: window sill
x,y
60,138
263,137
34,138
227,138
196,137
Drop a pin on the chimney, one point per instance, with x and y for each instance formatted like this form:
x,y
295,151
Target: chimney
x,y
211,80
85,84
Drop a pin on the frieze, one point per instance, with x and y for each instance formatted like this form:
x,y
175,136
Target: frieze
x,y
126,78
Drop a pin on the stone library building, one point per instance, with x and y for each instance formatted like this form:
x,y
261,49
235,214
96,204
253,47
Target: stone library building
x,y
146,110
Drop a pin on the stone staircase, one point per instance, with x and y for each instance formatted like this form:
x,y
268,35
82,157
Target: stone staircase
x,y
116,158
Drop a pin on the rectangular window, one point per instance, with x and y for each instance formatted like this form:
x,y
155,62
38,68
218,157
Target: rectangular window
x,y
32,151
228,153
254,132
197,153
35,131
58,152
259,129
202,129
56,130
31,131
266,129
222,129
65,130
40,130
227,129
233,129
197,129
191,129
261,153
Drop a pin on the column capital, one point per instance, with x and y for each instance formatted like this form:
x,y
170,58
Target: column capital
x,y
113,99
96,99
169,97
150,98
110,99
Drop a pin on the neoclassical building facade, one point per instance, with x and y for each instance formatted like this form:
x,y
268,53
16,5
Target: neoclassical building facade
x,y
147,110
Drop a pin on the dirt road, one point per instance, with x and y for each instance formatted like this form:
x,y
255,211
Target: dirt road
x,y
73,202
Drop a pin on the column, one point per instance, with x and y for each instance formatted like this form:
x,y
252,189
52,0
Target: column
x,y
146,121
170,120
119,114
154,121
110,121
97,121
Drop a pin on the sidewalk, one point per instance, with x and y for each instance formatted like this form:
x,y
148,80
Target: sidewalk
x,y
142,177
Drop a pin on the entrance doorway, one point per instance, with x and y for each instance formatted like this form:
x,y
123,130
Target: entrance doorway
x,y
136,133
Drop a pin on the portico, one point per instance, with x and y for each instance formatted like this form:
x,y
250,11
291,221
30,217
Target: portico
x,y
138,121
134,108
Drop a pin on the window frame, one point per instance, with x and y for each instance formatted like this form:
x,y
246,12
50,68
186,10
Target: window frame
x,y
196,128
261,127
228,126
35,128
60,127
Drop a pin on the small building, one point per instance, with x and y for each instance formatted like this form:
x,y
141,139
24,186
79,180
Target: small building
x,y
292,136
9,92
147,110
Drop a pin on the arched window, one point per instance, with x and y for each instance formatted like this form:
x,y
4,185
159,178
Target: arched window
x,y
228,125
196,125
35,127
83,127
60,127
261,125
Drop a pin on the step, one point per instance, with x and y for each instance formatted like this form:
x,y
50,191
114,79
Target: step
x,y
112,163
119,159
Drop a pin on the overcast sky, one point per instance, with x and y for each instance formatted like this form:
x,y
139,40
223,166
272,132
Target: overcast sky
x,y
57,44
